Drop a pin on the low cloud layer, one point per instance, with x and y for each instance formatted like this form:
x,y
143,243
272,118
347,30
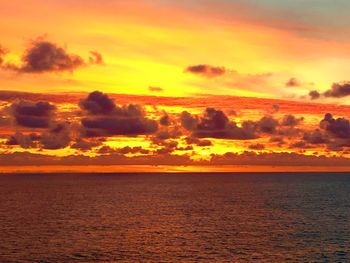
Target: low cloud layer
x,y
96,126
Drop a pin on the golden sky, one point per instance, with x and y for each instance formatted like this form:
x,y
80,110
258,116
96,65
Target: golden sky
x,y
203,83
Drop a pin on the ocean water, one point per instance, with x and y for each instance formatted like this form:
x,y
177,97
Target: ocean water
x,y
240,217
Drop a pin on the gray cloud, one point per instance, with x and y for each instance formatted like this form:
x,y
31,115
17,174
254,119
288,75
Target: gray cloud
x,y
205,70
45,56
32,114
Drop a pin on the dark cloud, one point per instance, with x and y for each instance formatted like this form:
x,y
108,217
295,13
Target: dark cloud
x,y
215,124
277,139
257,146
293,82
213,120
57,137
167,147
188,121
116,125
267,124
206,70
155,89
83,144
32,114
104,118
198,142
316,137
97,103
165,120
314,94
340,127
333,133
125,150
338,90
300,144
23,140
166,134
45,56
291,121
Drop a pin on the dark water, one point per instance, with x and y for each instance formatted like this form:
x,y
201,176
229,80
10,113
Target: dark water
x,y
175,218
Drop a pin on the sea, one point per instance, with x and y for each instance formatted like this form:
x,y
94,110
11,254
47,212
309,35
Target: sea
x,y
175,217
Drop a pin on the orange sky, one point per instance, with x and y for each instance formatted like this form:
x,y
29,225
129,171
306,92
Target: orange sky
x,y
169,57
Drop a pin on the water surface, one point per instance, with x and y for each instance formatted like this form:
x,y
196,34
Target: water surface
x,y
240,217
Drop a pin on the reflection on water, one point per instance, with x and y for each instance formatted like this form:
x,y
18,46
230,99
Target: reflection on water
x,y
175,218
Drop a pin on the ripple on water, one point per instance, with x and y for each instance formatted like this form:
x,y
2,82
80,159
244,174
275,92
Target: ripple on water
x,y
175,217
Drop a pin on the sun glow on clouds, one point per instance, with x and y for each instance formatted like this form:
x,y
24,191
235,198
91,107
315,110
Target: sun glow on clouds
x,y
192,56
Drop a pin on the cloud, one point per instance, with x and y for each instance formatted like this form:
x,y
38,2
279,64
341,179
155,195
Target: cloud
x,y
332,133
277,139
84,144
97,103
96,58
206,70
104,118
165,120
300,144
45,56
280,158
314,94
34,159
215,124
125,150
198,142
167,146
155,89
24,140
257,146
32,114
100,117
245,158
293,82
116,125
316,137
166,134
57,137
339,128
338,90
291,120
188,121
267,124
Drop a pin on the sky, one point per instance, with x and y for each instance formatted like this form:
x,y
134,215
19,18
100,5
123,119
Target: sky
x,y
174,85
